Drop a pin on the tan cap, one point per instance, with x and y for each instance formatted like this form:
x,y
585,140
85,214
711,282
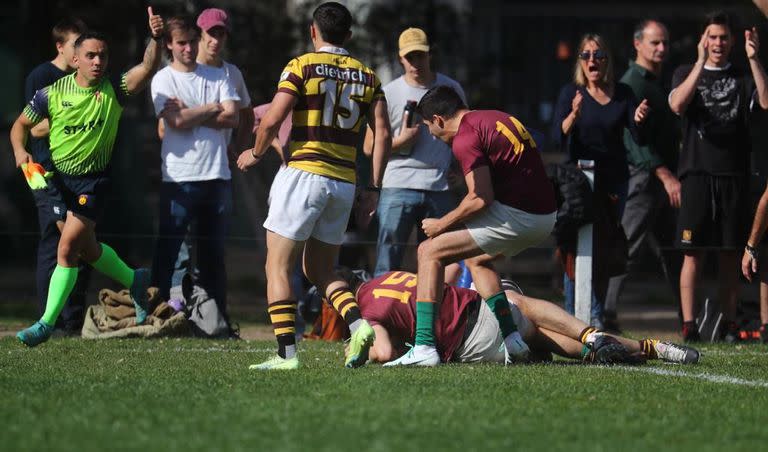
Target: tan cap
x,y
413,39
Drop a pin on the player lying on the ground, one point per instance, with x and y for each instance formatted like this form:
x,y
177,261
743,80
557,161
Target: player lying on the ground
x,y
467,331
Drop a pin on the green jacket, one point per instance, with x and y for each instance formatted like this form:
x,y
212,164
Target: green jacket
x,y
662,126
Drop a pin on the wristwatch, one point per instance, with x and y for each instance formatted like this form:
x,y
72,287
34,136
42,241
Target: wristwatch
x,y
751,251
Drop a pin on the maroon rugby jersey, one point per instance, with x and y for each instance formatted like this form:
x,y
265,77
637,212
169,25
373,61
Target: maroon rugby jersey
x,y
390,301
499,141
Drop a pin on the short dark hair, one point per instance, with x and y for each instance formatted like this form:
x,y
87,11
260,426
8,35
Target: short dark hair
x,y
64,27
334,21
183,23
440,100
718,18
90,35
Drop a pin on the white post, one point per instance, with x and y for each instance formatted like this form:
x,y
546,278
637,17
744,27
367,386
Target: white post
x,y
583,288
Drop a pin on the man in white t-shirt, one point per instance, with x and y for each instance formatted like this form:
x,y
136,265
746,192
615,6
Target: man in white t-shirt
x,y
199,107
416,180
215,30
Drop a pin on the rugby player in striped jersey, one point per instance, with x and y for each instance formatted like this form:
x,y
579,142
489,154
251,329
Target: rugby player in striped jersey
x,y
332,96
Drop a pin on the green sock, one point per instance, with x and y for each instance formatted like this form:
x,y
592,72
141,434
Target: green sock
x,y
110,264
62,281
500,307
425,323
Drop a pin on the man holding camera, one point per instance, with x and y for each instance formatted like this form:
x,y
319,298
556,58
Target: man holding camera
x,y
415,183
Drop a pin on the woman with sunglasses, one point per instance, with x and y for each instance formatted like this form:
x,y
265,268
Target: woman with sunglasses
x,y
591,115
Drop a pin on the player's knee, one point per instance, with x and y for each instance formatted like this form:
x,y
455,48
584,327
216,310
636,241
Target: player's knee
x,y
425,250
67,252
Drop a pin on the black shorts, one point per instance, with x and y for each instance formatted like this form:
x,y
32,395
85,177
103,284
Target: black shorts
x,y
84,195
50,204
714,212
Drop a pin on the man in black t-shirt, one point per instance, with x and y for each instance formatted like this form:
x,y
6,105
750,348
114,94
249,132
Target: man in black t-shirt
x,y
50,205
714,100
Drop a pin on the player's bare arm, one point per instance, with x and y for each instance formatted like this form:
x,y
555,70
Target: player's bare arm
x,y
243,136
382,350
479,196
41,129
378,121
227,118
19,134
282,105
759,224
681,97
137,78
752,47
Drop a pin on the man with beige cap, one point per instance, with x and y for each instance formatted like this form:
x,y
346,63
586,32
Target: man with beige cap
x,y
415,183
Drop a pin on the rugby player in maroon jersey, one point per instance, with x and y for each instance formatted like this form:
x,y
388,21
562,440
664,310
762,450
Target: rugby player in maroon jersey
x,y
510,206
466,330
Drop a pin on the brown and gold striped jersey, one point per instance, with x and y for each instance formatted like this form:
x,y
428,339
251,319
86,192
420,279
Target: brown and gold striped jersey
x,y
335,92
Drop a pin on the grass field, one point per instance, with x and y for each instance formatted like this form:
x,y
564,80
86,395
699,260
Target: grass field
x,y
188,394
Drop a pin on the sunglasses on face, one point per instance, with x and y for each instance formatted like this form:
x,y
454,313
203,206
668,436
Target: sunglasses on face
x,y
597,54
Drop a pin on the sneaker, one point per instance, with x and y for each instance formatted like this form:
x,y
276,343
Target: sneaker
x,y
139,294
35,334
515,349
277,363
608,350
420,355
673,353
359,344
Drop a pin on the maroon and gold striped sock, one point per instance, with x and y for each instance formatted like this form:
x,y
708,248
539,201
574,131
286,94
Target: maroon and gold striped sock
x,y
283,316
584,335
345,304
648,347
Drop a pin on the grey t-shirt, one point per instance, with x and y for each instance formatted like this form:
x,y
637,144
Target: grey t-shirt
x,y
426,166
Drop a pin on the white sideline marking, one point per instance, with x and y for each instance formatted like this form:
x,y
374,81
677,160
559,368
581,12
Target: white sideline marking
x,y
706,352
194,350
712,378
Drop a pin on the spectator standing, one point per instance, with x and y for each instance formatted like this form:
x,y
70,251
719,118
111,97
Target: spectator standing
x,y
214,35
51,212
654,191
590,117
199,107
415,183
714,100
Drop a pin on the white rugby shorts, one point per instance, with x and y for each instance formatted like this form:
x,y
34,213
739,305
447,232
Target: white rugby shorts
x,y
484,343
303,205
501,229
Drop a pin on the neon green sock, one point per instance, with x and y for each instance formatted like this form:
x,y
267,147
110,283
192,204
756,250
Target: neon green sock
x,y
110,264
425,322
500,307
62,281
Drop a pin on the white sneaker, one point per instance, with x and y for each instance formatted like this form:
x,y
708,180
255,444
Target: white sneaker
x,y
677,354
515,349
420,355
